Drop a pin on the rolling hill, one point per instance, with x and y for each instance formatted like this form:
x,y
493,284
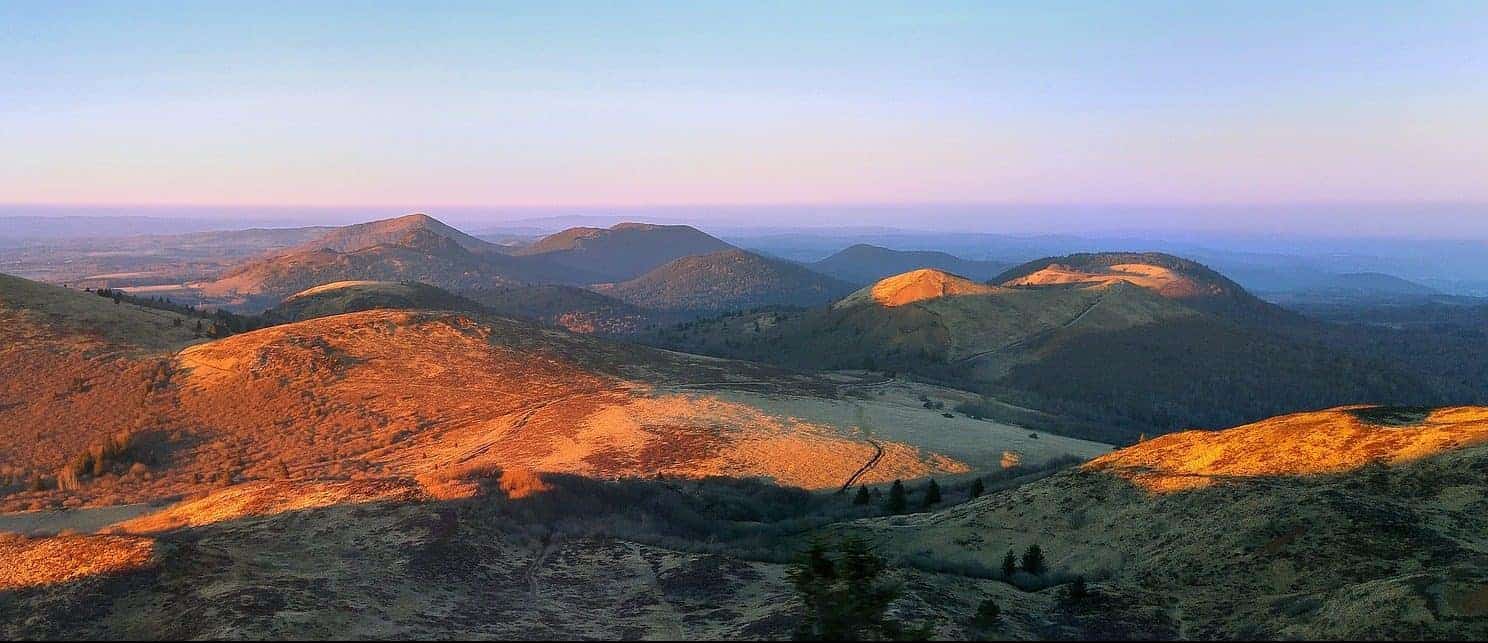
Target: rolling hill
x,y
1195,285
392,232
341,297
1358,522
413,393
1138,348
427,466
412,248
723,281
623,251
865,264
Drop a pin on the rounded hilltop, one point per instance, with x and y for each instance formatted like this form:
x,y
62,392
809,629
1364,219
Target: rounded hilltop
x,y
916,285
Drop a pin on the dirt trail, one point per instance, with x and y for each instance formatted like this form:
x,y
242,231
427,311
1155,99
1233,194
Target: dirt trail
x,y
877,455
1036,336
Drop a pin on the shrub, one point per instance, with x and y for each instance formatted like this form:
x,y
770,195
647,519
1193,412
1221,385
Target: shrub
x,y
988,614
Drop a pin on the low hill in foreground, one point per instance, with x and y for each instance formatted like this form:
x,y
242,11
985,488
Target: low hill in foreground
x,y
1380,539
1360,522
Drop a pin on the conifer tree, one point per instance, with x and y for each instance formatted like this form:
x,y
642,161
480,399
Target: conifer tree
x,y
932,493
897,500
1033,559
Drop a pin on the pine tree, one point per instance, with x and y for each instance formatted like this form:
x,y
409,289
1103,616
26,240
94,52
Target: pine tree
x,y
844,597
862,498
897,500
1009,564
1033,560
977,488
932,493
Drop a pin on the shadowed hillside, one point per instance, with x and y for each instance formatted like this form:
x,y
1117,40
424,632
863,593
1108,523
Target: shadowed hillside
x,y
623,251
576,309
1140,349
340,297
728,280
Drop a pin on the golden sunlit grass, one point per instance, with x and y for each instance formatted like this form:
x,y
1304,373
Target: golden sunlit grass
x,y
29,562
1324,442
270,498
917,285
1156,278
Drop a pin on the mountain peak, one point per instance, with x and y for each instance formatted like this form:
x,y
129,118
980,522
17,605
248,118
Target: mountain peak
x,y
393,231
914,286
625,250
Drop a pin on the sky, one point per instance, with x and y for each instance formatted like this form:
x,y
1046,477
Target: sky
x,y
1265,106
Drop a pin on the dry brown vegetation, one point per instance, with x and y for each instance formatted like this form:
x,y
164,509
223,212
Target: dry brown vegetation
x,y
393,394
31,562
1304,444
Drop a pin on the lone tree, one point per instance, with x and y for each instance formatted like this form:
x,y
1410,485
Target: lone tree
x,y
844,596
862,498
977,488
1033,560
932,493
1009,564
897,500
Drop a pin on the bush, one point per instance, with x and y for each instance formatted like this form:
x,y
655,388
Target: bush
x,y
988,614
115,453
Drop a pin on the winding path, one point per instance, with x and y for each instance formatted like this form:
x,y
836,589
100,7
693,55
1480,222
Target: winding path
x,y
1036,336
877,455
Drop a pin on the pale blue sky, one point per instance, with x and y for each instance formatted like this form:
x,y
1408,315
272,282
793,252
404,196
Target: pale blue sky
x,y
557,104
